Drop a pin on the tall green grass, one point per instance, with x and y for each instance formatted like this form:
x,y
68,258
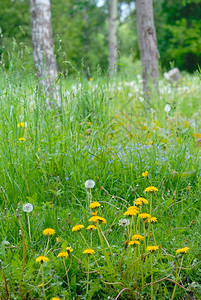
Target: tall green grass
x,y
104,132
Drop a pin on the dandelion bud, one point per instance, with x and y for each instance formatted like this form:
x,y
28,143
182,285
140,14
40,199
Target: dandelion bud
x,y
188,188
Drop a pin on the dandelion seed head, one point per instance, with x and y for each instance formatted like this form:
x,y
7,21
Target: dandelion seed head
x,y
167,108
27,207
89,184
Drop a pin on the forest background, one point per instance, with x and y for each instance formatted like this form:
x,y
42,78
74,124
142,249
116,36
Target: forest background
x,y
82,41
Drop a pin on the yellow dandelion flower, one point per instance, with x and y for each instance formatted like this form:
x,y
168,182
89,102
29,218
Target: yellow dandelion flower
x,y
91,227
42,259
133,208
22,139
63,254
77,227
140,201
144,216
151,189
152,220
197,135
58,239
89,251
69,249
145,174
182,250
97,219
152,248
131,212
133,243
55,298
21,124
137,237
94,205
49,231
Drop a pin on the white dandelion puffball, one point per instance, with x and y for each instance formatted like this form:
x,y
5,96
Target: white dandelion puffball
x,y
124,222
167,108
89,184
27,207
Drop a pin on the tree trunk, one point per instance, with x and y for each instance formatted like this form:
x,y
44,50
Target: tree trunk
x,y
86,40
43,52
113,37
147,43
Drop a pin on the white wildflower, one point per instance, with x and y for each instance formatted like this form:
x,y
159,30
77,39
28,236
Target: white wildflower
x,y
27,207
167,108
89,184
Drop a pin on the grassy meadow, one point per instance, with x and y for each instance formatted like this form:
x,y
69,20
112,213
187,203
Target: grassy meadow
x,y
104,132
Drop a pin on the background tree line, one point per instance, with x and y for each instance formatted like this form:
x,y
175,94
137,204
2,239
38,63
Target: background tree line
x,y
80,30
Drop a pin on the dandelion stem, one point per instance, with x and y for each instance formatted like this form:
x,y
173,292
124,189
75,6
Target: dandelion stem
x,y
176,278
105,238
91,240
66,271
84,239
87,278
43,282
24,254
89,196
104,250
29,227
151,205
48,240
144,242
152,290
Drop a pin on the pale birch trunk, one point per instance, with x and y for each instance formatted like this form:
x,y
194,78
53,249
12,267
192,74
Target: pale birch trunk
x,y
113,37
147,43
86,40
43,52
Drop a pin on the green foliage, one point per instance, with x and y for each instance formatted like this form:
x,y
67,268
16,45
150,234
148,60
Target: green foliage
x,y
79,28
178,32
15,39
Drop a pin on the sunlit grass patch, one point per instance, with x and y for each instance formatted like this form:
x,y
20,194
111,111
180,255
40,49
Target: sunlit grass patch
x,y
107,174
